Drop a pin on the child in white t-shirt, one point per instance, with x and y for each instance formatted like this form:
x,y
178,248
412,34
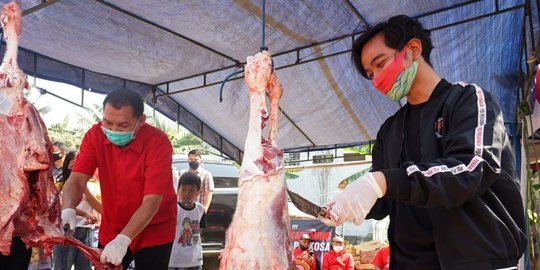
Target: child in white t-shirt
x,y
186,252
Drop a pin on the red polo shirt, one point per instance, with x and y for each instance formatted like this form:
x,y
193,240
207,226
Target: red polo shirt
x,y
341,260
127,174
382,259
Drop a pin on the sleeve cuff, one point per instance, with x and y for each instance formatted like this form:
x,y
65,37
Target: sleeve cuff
x,y
397,184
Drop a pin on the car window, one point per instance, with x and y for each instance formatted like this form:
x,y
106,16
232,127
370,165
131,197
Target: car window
x,y
225,182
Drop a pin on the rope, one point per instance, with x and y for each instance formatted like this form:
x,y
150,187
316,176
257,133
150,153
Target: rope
x,y
263,44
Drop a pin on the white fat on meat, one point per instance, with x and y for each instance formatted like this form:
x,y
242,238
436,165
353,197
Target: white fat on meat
x,y
258,236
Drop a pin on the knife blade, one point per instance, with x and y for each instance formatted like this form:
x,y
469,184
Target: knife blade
x,y
303,204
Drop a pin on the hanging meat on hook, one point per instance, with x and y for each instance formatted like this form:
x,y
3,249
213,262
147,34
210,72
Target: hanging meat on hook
x,y
258,236
29,202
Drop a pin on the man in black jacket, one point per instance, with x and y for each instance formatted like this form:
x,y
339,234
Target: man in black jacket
x,y
443,167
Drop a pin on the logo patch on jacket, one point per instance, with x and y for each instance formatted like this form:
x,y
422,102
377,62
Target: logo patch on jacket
x,y
439,125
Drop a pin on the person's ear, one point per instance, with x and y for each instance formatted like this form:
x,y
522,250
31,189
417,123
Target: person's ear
x,y
141,121
415,46
143,118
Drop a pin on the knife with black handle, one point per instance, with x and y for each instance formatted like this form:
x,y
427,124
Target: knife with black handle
x,y
305,205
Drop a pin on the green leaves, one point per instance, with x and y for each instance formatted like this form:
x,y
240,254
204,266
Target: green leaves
x,y
182,141
536,187
343,183
533,216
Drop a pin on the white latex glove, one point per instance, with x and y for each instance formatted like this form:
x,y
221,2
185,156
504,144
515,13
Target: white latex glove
x,y
68,219
353,204
115,250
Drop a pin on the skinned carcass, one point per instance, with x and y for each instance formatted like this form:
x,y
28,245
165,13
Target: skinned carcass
x,y
258,236
29,201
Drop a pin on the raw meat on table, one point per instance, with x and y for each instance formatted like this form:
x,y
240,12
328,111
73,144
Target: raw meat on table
x,y
258,236
29,201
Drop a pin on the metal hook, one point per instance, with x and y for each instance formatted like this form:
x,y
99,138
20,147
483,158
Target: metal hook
x,y
225,80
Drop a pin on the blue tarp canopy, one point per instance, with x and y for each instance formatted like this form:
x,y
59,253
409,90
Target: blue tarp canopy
x,y
176,53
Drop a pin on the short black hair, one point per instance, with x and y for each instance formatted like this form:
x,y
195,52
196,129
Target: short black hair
x,y
189,178
125,97
397,31
196,152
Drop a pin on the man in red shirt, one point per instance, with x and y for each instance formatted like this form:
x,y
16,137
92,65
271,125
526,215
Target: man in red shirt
x,y
382,259
139,202
338,259
303,253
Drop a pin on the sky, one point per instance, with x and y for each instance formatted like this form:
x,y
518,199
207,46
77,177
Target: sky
x,y
60,108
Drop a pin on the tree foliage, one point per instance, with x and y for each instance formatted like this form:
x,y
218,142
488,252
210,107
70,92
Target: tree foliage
x,y
72,134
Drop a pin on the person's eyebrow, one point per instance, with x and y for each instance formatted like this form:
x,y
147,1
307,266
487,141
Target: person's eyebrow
x,y
367,70
375,58
122,123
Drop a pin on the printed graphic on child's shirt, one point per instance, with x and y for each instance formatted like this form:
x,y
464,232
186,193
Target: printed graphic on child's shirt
x,y
190,231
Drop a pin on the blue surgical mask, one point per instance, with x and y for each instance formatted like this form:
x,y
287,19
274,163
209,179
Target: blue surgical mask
x,y
120,138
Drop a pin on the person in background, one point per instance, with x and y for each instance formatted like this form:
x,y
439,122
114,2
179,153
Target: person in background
x,y
304,253
66,257
443,168
139,202
207,181
38,260
175,177
382,258
187,248
60,150
338,258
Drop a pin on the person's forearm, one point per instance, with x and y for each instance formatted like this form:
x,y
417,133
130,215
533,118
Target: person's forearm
x,y
140,219
207,200
82,213
73,190
381,180
92,200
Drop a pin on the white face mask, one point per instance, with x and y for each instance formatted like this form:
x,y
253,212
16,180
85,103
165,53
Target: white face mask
x,y
338,248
